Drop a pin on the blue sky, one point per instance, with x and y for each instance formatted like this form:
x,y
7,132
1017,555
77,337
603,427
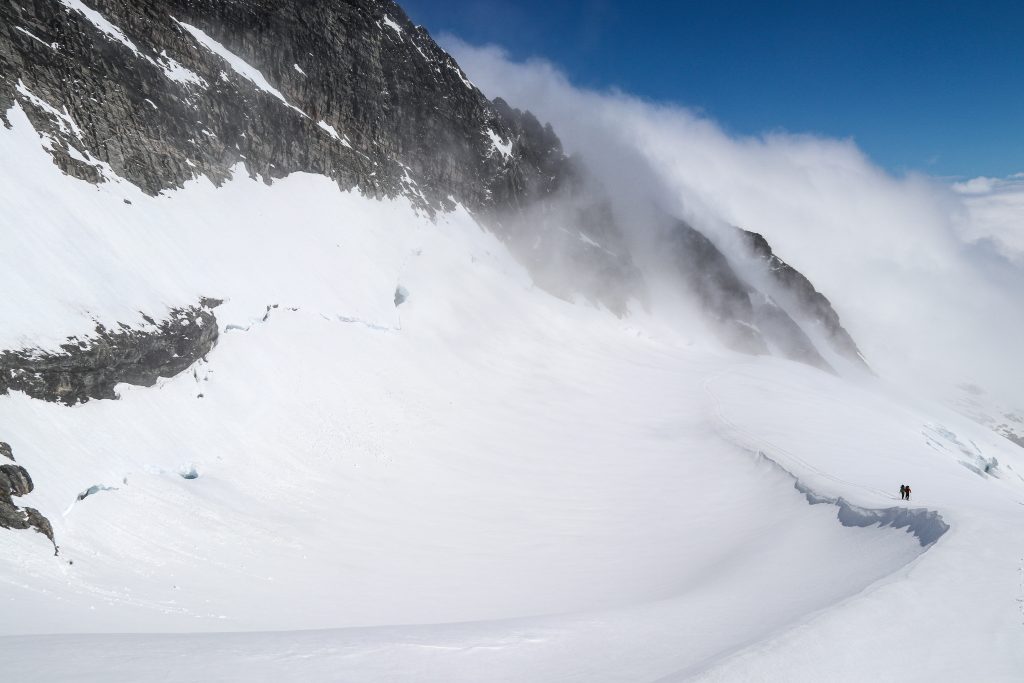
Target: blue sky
x,y
931,86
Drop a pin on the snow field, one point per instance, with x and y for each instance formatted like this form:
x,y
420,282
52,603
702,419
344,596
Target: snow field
x,y
486,483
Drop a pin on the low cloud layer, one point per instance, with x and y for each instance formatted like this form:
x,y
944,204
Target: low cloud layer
x,y
995,209
928,277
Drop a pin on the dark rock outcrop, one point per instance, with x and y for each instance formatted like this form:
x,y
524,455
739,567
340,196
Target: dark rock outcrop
x,y
90,368
14,483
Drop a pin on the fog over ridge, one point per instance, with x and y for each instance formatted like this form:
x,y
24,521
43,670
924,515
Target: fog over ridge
x,y
926,274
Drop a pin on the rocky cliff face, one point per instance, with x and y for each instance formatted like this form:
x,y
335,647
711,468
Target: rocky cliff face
x,y
162,92
358,94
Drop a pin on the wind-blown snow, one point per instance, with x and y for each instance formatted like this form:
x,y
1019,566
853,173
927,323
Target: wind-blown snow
x,y
995,209
924,278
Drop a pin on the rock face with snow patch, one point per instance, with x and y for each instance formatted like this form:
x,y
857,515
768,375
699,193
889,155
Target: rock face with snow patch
x,y
90,368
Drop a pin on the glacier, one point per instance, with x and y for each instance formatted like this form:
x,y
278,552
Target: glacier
x,y
486,483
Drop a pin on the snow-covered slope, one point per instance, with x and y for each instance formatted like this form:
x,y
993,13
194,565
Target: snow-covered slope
x,y
482,483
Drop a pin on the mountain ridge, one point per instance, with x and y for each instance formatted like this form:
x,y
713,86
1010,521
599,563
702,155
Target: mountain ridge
x,y
183,89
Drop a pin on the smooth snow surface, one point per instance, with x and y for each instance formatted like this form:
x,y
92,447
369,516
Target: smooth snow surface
x,y
487,484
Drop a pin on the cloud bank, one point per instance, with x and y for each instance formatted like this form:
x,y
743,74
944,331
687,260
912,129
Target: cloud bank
x,y
995,209
928,277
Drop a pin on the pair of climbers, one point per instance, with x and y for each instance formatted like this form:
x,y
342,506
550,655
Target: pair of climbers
x,y
904,492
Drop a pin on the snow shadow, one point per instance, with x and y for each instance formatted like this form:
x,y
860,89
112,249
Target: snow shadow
x,y
927,526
